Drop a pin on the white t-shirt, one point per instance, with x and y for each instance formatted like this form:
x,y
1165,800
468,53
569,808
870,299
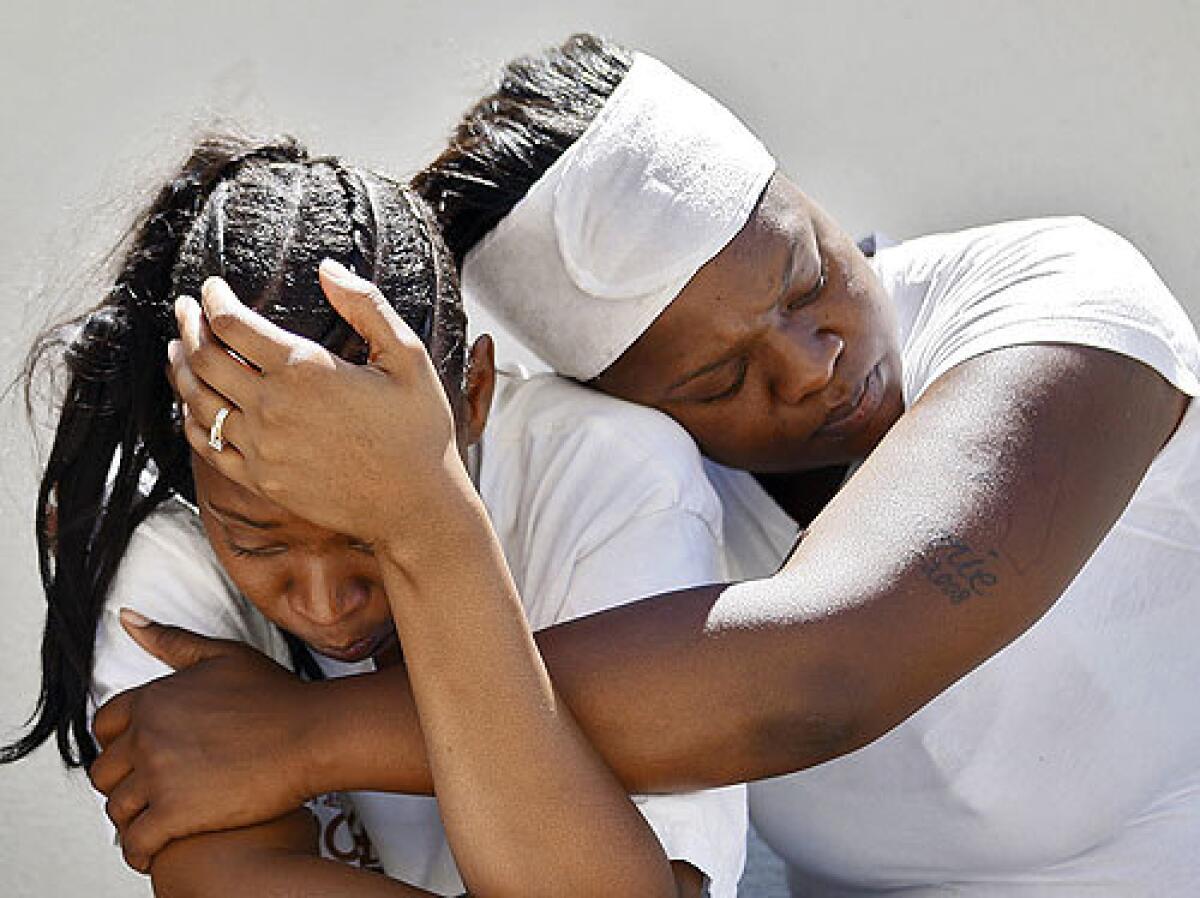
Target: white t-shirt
x,y
596,502
1069,763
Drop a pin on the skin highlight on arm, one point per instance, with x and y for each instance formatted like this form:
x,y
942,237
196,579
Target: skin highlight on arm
x,y
1028,452
860,628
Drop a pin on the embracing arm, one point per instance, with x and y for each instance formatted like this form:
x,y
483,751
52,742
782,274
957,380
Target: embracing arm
x,y
961,529
1014,467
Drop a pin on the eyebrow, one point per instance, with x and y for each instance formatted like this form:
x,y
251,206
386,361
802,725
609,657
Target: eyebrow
x,y
789,269
239,518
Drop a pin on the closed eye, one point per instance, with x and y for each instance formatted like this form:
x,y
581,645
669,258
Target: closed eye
x,y
813,292
258,552
734,388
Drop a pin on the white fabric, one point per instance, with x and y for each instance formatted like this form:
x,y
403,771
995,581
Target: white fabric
x,y
660,181
595,501
1068,764
758,533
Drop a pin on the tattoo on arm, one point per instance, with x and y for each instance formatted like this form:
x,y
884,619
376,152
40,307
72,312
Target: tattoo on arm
x,y
958,570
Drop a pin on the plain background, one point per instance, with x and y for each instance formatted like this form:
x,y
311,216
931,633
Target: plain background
x,y
902,116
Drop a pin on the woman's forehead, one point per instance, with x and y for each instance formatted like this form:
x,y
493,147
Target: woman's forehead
x,y
236,504
754,265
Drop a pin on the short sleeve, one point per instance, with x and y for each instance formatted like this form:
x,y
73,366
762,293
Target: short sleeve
x,y
1062,280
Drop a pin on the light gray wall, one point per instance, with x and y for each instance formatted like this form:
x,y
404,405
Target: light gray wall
x,y
903,116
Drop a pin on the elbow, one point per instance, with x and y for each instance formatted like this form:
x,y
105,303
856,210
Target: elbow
x,y
186,868
799,741
829,713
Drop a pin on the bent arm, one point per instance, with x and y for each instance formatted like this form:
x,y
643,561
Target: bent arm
x,y
268,860
963,527
528,806
280,859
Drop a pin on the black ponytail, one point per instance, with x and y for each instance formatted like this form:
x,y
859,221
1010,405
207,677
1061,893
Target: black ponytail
x,y
117,451
507,140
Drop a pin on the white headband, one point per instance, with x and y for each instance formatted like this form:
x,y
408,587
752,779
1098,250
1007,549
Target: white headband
x,y
658,184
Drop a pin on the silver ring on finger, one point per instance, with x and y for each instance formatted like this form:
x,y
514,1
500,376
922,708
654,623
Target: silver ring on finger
x,y
216,441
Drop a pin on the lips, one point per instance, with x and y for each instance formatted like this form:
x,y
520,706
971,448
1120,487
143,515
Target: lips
x,y
357,650
848,416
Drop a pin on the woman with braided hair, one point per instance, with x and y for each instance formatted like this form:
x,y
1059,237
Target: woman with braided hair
x,y
990,435
132,525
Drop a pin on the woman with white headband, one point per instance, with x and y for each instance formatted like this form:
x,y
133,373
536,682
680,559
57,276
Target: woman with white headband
x,y
1014,403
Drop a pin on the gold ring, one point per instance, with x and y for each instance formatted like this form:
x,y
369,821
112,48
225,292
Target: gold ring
x,y
215,441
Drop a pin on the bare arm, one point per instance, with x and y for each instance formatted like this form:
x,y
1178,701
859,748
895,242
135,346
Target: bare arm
x,y
279,854
280,858
962,529
270,860
1003,478
528,806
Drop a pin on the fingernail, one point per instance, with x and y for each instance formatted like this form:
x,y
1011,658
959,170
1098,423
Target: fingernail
x,y
337,271
210,289
134,618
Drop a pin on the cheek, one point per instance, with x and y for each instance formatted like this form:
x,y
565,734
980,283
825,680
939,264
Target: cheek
x,y
737,433
262,581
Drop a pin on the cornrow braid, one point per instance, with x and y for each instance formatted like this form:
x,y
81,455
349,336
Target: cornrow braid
x,y
363,223
437,256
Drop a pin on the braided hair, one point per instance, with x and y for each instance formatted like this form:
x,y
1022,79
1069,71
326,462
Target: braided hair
x,y
262,215
506,141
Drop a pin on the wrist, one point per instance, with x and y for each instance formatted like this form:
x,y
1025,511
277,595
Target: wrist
x,y
449,518
314,756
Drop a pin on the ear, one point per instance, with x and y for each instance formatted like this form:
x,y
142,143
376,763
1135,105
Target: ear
x,y
481,385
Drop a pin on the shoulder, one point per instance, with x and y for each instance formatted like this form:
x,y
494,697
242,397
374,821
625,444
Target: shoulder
x,y
1051,280
596,501
1074,256
549,406
170,574
170,547
171,538
546,428
1029,240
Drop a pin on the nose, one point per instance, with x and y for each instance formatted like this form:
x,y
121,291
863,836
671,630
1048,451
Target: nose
x,y
801,363
325,596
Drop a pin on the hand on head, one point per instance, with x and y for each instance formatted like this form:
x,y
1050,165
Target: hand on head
x,y
200,750
328,440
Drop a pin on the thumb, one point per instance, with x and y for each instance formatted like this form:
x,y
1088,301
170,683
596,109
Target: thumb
x,y
174,646
362,305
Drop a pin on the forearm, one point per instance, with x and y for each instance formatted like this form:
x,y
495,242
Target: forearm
x,y
859,631
529,807
269,860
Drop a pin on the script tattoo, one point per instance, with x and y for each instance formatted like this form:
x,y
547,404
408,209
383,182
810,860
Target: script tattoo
x,y
958,570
